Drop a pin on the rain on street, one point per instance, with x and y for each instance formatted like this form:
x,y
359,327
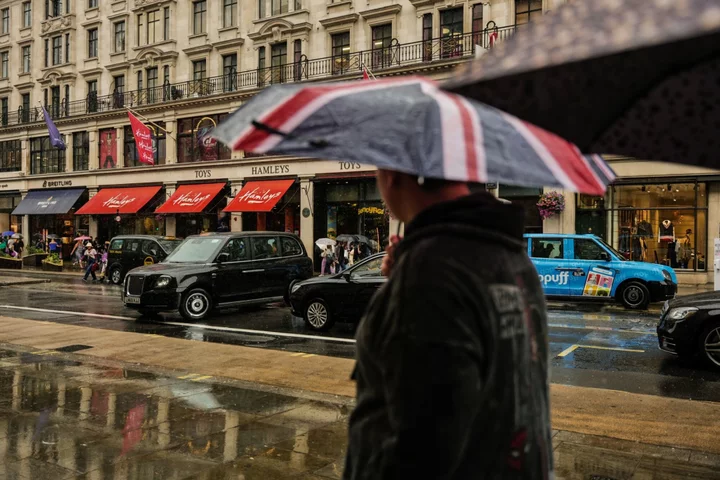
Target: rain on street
x,y
592,346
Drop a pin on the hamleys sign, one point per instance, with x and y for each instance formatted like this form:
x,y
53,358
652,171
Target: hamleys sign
x,y
191,199
119,201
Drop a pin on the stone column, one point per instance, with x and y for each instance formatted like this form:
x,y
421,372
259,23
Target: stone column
x,y
170,142
92,222
94,152
307,223
69,153
25,227
236,217
25,156
171,219
119,146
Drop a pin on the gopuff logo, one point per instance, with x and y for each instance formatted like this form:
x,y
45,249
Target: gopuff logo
x,y
557,279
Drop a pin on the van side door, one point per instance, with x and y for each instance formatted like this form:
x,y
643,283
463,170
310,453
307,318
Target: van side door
x,y
235,279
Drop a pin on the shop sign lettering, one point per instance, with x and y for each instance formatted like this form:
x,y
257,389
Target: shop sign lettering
x,y
203,173
557,279
271,169
4,185
349,166
191,199
118,201
260,195
56,183
371,211
47,203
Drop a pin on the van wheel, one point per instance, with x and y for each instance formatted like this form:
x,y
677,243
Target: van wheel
x,y
116,275
317,315
195,305
635,296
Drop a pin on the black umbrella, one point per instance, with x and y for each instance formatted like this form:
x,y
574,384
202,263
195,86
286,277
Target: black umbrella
x,y
630,77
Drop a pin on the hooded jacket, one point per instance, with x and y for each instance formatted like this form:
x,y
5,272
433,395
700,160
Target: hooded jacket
x,y
452,354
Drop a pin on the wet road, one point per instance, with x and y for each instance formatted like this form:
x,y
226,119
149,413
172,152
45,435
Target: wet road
x,y
591,346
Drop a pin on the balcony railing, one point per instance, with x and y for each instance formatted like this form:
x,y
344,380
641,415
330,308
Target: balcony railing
x,y
377,60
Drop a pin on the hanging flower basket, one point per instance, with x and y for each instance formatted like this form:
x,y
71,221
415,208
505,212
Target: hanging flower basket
x,y
550,203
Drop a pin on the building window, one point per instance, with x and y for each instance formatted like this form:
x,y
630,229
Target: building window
x,y
427,23
278,59
661,223
527,11
381,40
47,52
167,89
297,60
139,80
81,151
230,72
107,151
451,31
153,27
4,70
92,43
26,60
66,104
199,10
5,25
67,48
261,8
44,158
130,153
92,104
190,148
340,52
55,101
477,24
119,82
166,23
279,7
229,13
4,109
10,156
139,29
53,8
261,67
152,84
92,3
119,36
25,102
166,74
57,50
298,5
199,75
27,14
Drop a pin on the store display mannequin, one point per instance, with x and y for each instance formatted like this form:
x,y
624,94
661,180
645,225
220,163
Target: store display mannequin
x,y
666,232
683,249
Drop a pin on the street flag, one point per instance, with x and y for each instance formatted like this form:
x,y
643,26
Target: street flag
x,y
143,140
55,137
367,73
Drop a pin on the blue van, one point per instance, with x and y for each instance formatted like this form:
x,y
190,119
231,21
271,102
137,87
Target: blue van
x,y
585,266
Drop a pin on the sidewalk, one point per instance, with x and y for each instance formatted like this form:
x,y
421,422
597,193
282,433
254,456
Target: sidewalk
x,y
64,416
90,410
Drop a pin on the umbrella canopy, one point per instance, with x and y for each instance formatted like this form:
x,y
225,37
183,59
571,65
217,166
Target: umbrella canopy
x,y
81,238
16,236
409,125
9,233
352,238
631,77
53,236
324,242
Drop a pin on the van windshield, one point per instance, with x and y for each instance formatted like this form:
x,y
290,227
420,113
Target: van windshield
x,y
196,250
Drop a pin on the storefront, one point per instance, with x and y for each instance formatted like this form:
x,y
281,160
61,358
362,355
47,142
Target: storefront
x,y
8,221
51,214
268,205
590,215
198,208
123,211
661,223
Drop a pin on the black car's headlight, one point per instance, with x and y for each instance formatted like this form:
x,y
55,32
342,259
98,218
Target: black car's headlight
x,y
163,281
678,315
295,287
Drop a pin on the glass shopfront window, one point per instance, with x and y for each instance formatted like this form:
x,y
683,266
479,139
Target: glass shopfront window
x,y
284,217
590,215
193,143
661,223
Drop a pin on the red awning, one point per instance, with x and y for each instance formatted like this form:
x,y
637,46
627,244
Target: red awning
x,y
191,198
259,196
110,201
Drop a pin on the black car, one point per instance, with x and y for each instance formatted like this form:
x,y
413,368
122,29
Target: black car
x,y
129,251
690,325
219,270
321,301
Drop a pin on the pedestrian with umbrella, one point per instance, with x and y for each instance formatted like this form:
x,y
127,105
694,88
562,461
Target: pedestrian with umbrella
x,y
454,347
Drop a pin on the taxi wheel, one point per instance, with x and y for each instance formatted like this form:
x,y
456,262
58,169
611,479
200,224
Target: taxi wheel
x,y
635,296
116,275
709,345
195,305
317,315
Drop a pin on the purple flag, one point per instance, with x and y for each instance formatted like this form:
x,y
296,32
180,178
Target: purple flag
x,y
55,137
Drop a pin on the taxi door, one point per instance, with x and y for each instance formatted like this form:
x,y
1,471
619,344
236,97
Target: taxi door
x,y
548,256
591,262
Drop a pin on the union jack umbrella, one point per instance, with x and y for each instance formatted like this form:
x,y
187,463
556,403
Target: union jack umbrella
x,y
410,125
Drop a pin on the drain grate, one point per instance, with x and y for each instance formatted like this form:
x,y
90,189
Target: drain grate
x,y
73,348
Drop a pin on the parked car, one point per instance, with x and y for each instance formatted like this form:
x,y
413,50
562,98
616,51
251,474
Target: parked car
x,y
584,266
690,325
129,251
321,301
219,270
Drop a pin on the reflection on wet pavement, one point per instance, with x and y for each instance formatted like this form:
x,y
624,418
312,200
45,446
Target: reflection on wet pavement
x,y
69,419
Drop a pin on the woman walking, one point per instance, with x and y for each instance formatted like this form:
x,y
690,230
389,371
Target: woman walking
x,y
91,255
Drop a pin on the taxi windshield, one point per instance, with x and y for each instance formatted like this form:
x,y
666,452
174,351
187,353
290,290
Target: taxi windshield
x,y
196,250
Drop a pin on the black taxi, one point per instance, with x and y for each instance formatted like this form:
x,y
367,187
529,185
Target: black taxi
x,y
130,251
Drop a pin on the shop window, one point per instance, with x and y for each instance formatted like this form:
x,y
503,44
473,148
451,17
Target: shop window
x,y
290,247
661,223
589,250
81,151
10,156
237,250
44,158
265,247
130,153
193,143
546,248
590,215
108,148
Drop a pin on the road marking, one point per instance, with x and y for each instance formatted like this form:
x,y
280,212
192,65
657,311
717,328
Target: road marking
x,y
189,375
308,355
568,351
66,312
204,377
601,329
616,349
297,354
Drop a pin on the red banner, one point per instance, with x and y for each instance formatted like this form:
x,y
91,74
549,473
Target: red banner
x,y
191,198
143,140
259,196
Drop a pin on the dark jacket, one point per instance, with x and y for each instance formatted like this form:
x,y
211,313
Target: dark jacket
x,y
452,355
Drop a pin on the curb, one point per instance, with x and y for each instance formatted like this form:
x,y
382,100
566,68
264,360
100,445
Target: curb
x,y
38,273
23,282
